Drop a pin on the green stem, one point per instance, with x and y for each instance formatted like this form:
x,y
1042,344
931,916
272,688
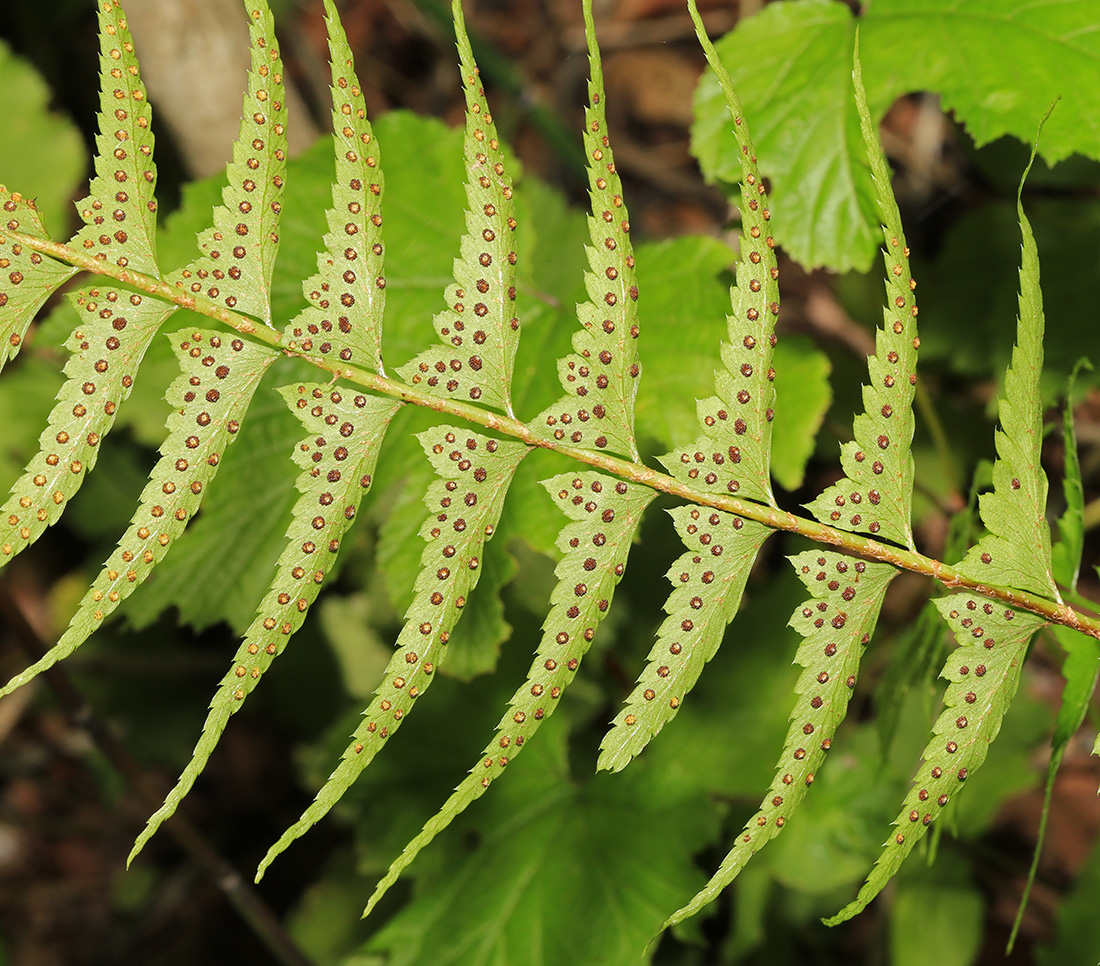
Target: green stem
x,y
773,517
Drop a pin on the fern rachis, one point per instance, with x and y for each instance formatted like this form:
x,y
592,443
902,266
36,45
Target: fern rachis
x,y
722,477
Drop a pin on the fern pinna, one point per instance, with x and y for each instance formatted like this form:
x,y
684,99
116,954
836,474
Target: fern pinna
x,y
1006,582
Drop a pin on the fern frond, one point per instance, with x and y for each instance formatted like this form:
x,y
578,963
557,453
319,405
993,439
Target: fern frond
x,y
984,672
708,583
876,493
479,329
336,460
606,513
836,622
1016,552
238,251
119,213
347,296
116,327
218,376
464,506
601,375
27,278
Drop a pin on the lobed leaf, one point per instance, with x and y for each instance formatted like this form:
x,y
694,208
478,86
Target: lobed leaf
x,y
336,461
605,514
479,329
708,582
600,377
733,454
1016,551
238,251
348,294
984,673
106,352
837,622
876,493
464,506
119,213
218,377
27,277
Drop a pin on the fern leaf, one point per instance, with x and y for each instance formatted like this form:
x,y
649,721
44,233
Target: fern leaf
x,y
733,454
238,251
837,622
464,506
479,329
605,514
1016,551
218,377
875,496
27,278
119,213
600,377
347,296
337,460
708,582
984,673
116,328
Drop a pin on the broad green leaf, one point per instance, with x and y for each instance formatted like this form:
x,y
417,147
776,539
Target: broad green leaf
x,y
600,377
605,514
876,494
984,673
336,462
479,329
107,348
218,376
837,623
1016,551
27,278
238,252
708,582
41,152
119,213
938,908
791,64
347,295
464,505
802,397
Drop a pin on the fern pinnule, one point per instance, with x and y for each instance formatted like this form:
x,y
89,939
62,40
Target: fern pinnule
x,y
984,672
479,330
1016,552
876,494
605,513
119,213
29,277
836,622
336,460
464,505
708,583
602,373
347,296
115,329
238,251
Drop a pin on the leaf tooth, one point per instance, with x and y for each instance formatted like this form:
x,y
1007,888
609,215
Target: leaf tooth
x,y
836,622
479,329
708,583
464,506
602,373
237,254
347,295
27,277
984,673
119,213
107,348
876,494
336,471
595,547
